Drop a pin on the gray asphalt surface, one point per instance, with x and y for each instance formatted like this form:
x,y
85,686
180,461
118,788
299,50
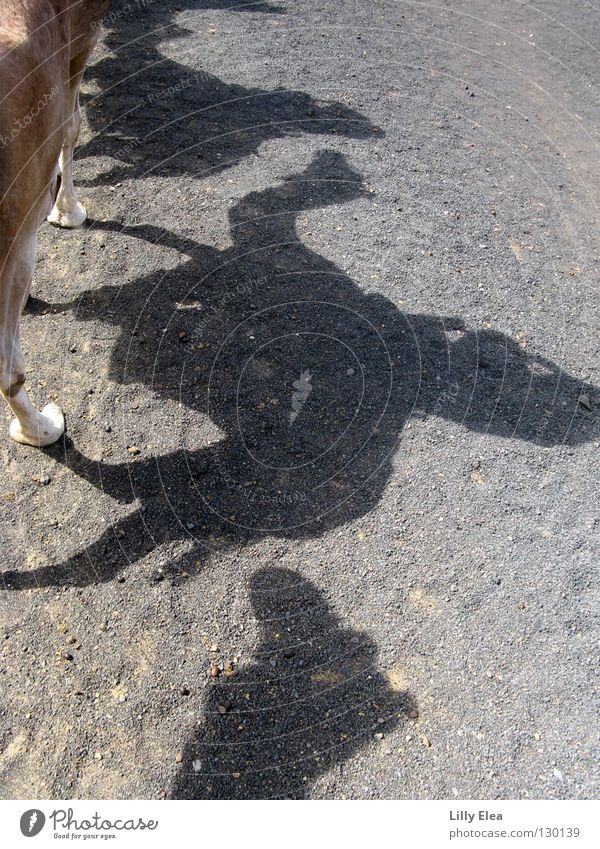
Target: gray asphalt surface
x,y
325,523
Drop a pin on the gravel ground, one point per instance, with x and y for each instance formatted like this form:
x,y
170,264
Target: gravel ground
x,y
325,522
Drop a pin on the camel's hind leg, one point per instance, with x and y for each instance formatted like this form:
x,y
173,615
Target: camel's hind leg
x,y
30,427
67,210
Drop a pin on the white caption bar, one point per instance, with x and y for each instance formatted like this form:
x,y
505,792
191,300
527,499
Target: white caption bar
x,y
273,825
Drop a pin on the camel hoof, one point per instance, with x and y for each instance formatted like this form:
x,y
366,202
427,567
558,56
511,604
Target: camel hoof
x,y
69,218
51,427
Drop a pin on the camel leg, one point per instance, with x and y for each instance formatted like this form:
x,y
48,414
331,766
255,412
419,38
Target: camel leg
x,y
30,427
67,210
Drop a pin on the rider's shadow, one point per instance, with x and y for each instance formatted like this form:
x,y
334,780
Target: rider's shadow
x,y
310,699
309,379
161,117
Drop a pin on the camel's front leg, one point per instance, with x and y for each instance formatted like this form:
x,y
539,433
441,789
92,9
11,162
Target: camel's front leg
x,y
30,427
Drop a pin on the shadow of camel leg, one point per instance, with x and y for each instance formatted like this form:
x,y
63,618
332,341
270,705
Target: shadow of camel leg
x,y
119,546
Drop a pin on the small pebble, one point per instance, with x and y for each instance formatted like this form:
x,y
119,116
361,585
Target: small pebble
x,y
178,758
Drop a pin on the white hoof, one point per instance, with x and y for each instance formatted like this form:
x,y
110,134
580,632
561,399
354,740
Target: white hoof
x,y
50,428
72,217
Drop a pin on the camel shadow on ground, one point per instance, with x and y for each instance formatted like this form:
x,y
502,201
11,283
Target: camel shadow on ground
x,y
309,379
161,118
